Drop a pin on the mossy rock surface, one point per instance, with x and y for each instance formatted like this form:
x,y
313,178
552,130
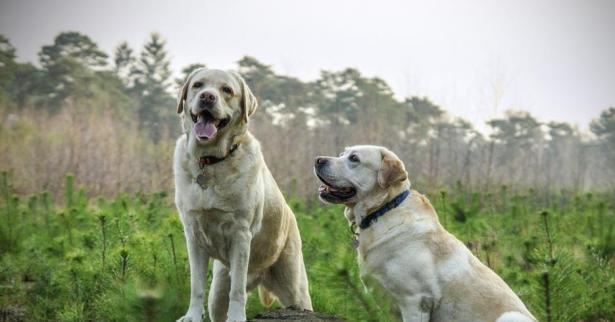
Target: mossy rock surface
x,y
294,315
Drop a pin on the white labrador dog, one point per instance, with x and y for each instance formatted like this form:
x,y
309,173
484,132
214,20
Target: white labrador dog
x,y
230,205
430,274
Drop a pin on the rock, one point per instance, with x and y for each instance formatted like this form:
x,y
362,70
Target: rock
x,y
294,315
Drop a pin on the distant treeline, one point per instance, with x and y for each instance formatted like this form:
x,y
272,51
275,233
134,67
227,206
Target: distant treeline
x,y
111,122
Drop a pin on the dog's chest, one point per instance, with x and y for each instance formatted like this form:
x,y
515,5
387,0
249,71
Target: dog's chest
x,y
371,260
388,260
194,198
372,265
205,178
214,210
214,231
202,191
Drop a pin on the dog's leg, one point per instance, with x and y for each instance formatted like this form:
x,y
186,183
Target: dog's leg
x,y
217,305
239,258
416,308
199,259
287,278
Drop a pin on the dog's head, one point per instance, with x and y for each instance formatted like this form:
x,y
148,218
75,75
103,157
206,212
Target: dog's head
x,y
214,101
360,172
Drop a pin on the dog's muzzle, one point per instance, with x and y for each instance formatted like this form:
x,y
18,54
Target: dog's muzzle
x,y
329,191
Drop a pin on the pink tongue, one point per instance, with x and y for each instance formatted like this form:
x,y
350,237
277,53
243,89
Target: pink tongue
x,y
205,129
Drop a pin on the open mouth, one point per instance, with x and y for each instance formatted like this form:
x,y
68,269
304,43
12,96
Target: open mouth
x,y
333,193
206,126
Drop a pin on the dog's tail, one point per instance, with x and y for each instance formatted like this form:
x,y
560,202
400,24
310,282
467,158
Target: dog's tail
x,y
266,297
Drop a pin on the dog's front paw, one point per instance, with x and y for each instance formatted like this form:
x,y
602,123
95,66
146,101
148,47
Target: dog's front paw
x,y
236,317
188,318
192,316
236,311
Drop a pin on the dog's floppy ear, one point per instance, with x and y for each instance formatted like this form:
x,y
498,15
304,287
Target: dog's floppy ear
x,y
391,170
184,90
248,100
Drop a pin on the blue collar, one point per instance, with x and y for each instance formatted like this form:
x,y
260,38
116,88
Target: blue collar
x,y
373,217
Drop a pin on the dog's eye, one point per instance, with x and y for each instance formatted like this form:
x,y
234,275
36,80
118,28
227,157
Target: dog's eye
x,y
354,158
197,85
227,90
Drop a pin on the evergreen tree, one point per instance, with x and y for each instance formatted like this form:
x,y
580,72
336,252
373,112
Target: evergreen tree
x,y
604,129
519,130
346,94
18,81
7,68
604,126
254,71
7,57
339,95
261,79
151,75
287,93
124,61
421,115
75,47
70,66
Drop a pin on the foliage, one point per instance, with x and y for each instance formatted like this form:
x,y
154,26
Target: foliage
x,y
338,109
533,199
151,76
71,66
604,127
124,259
123,60
17,81
73,46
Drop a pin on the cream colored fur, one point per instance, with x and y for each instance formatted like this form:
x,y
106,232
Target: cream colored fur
x,y
240,219
429,273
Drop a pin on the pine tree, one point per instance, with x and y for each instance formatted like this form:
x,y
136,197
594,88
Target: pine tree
x,y
73,46
604,129
7,67
70,65
19,82
124,61
151,75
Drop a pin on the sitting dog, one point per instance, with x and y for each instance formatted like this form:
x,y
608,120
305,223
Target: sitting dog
x,y
230,205
430,274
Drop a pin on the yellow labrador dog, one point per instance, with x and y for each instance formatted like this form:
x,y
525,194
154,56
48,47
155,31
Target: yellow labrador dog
x,y
231,207
430,274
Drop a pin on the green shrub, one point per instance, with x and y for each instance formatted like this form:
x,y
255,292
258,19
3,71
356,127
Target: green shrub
x,y
125,260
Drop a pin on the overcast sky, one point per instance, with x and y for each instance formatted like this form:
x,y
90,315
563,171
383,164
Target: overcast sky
x,y
555,58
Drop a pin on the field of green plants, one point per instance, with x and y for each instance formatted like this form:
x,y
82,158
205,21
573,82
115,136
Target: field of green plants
x,y
79,258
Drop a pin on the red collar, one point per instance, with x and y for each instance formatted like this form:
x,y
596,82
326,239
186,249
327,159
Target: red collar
x,y
210,159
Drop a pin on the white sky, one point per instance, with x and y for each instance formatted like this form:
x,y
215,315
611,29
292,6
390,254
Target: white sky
x,y
553,58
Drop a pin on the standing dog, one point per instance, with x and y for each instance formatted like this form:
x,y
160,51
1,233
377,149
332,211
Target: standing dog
x,y
231,207
430,274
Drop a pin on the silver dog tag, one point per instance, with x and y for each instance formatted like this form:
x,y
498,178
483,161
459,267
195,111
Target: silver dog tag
x,y
355,243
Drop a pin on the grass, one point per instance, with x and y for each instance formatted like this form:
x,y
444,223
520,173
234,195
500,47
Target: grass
x,y
94,259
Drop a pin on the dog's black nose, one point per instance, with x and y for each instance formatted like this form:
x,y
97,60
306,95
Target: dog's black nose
x,y
208,98
320,161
